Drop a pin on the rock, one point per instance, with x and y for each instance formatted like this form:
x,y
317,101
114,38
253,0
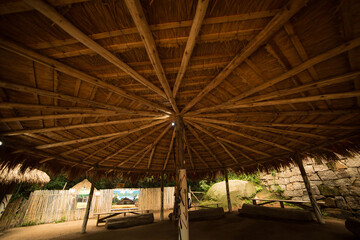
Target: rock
x,y
283,181
328,191
352,171
238,187
295,171
337,213
354,190
320,167
298,185
339,165
352,202
343,173
296,179
327,175
305,197
315,190
290,187
314,177
353,162
316,183
330,202
342,182
344,190
340,202
309,169
294,193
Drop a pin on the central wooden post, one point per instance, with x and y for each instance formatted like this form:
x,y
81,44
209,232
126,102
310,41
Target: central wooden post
x,y
183,233
316,208
88,205
227,190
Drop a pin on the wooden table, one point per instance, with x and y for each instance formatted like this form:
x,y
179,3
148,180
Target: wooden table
x,y
116,212
281,201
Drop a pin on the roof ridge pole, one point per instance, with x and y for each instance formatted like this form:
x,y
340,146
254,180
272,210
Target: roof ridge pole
x,y
183,232
316,208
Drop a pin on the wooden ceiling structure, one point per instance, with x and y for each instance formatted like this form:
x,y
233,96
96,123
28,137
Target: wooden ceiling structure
x,y
94,86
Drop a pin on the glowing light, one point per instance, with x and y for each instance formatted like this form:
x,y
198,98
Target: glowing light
x,y
172,124
1,141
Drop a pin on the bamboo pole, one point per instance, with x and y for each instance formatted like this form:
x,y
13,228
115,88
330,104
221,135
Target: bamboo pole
x,y
87,211
316,208
227,190
162,198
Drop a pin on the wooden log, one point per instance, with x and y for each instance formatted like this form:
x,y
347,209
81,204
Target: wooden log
x,y
130,221
205,214
227,190
87,211
275,213
316,208
68,27
183,232
273,26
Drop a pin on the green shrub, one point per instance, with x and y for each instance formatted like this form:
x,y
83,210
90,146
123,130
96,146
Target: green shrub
x,y
62,219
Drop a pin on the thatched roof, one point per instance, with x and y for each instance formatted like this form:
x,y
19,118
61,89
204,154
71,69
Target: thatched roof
x,y
93,86
19,175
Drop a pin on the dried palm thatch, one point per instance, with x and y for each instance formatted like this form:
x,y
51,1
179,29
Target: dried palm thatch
x,y
20,175
93,87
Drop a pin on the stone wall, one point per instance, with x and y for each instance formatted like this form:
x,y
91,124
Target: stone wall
x,y
337,184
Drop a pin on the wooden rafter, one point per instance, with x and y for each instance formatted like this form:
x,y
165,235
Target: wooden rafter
x,y
62,22
255,126
201,141
170,149
305,65
65,97
194,32
87,139
273,26
34,56
139,18
53,116
86,125
256,139
198,155
244,147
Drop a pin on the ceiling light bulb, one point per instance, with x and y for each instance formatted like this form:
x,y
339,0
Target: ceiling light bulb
x,y
172,124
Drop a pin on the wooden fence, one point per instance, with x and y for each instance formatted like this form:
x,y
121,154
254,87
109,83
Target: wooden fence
x,y
46,206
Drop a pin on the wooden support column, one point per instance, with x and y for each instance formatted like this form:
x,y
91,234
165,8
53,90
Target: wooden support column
x,y
162,198
183,229
87,211
227,190
316,208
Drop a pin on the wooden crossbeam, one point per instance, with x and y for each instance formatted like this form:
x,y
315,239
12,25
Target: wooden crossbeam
x,y
215,138
170,149
198,155
69,98
81,140
290,9
34,56
85,125
244,147
255,126
196,135
305,65
194,32
143,151
151,156
137,14
68,27
330,96
54,116
132,143
246,136
273,113
162,26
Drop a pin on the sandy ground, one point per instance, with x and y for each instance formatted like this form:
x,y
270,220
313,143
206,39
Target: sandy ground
x,y
229,227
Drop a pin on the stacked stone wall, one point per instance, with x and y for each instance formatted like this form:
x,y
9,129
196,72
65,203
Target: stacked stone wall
x,y
337,184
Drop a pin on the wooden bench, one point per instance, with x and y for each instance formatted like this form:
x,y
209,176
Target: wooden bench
x,y
116,212
301,204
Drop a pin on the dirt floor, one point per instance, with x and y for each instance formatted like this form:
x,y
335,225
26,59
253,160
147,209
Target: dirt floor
x,y
229,227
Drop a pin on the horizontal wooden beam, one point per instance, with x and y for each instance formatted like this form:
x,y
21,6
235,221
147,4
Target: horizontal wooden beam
x,y
85,125
161,26
55,116
81,140
256,139
18,6
253,126
289,10
69,98
68,27
34,56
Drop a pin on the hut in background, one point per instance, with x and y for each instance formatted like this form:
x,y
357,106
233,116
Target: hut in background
x,y
10,177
